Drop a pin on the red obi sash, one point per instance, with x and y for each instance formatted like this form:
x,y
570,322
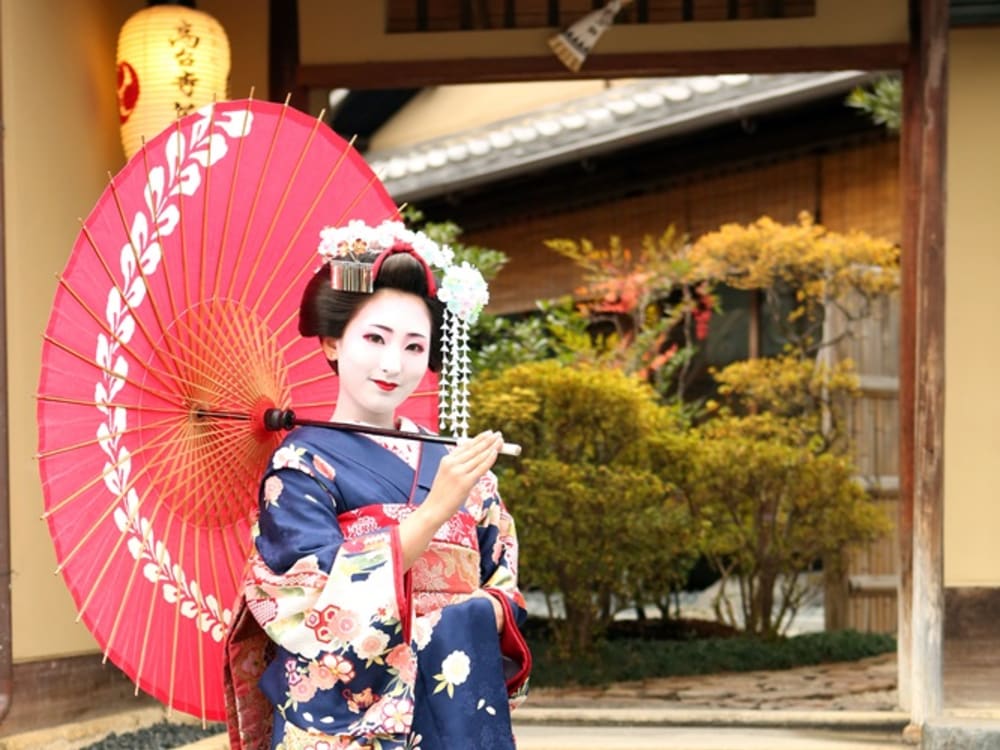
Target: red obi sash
x,y
447,571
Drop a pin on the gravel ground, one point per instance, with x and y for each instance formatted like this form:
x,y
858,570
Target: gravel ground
x,y
160,736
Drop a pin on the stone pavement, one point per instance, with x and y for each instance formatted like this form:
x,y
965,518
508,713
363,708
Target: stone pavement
x,y
868,685
844,706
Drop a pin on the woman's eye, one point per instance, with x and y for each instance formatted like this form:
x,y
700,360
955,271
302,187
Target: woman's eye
x,y
419,348
374,338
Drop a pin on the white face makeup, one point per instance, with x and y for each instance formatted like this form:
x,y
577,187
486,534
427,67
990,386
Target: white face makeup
x,y
382,357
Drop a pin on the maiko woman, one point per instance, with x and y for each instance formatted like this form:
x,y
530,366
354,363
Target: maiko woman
x,y
381,606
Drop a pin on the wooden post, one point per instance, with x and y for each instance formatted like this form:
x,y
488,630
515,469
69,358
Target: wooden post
x,y
283,52
910,178
924,144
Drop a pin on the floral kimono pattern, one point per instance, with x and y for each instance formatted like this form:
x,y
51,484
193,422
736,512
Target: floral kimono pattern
x,y
357,653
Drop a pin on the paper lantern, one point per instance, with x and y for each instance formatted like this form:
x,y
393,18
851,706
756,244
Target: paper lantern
x,y
171,60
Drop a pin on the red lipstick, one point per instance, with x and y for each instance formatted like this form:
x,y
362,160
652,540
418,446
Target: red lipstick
x,y
385,386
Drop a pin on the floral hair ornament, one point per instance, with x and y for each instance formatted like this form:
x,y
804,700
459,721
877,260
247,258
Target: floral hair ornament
x,y
462,290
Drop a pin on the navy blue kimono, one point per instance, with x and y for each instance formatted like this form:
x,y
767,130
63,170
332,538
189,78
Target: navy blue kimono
x,y
359,653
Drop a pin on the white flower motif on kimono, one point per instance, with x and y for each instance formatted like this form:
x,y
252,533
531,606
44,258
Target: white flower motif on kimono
x,y
371,645
272,490
289,457
423,628
454,671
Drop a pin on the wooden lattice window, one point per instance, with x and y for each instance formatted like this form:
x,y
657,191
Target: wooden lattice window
x,y
462,15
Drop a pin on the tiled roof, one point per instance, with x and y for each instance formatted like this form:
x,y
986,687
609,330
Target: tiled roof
x,y
620,116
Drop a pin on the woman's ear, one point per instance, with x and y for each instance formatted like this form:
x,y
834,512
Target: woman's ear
x,y
329,345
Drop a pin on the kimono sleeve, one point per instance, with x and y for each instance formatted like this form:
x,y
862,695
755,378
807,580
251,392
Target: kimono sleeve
x,y
498,571
310,589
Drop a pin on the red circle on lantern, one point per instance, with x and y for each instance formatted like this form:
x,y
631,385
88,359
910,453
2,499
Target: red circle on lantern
x,y
128,90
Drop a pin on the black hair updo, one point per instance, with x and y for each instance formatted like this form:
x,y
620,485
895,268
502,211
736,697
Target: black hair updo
x,y
326,312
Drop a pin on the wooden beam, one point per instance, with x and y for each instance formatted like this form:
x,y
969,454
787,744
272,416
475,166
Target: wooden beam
x,y
283,55
924,218
419,73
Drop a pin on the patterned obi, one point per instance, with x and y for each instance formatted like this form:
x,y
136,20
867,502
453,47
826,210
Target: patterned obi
x,y
447,571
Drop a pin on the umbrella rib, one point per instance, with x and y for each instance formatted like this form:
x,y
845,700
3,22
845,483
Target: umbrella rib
x,y
229,378
289,244
157,507
105,404
228,556
235,374
140,323
302,358
233,182
177,621
185,273
110,467
207,500
306,216
292,340
314,379
114,335
197,621
149,615
96,582
154,305
204,207
256,199
131,578
93,441
308,259
168,397
223,379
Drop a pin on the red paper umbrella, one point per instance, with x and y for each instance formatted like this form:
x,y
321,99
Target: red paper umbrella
x,y
178,304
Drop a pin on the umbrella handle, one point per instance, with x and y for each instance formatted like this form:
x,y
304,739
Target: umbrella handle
x,y
285,419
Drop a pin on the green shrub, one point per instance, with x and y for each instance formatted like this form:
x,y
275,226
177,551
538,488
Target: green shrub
x,y
769,506
597,520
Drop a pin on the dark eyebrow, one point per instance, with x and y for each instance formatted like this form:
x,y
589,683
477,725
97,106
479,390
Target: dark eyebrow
x,y
387,329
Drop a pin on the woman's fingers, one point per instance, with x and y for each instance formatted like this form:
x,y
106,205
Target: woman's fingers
x,y
481,450
464,466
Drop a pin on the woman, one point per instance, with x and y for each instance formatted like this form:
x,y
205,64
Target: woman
x,y
384,570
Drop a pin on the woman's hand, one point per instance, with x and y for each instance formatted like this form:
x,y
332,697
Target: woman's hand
x,y
457,474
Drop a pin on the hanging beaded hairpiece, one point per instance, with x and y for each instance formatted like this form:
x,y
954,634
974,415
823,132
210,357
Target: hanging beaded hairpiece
x,y
462,290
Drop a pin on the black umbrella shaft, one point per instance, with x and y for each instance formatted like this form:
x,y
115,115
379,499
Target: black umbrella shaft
x,y
285,419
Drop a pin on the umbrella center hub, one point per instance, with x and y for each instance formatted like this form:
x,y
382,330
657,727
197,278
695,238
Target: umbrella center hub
x,y
219,362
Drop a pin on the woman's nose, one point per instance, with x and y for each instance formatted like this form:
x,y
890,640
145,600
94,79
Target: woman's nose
x,y
390,360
